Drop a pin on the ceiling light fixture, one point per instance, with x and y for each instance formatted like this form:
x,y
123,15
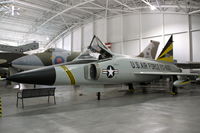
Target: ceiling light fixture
x,y
47,38
12,10
8,8
152,7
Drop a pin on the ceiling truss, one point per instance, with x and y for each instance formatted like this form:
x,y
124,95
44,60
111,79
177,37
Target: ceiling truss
x,y
41,19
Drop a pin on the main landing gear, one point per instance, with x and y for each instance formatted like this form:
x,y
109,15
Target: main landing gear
x,y
130,88
98,95
173,89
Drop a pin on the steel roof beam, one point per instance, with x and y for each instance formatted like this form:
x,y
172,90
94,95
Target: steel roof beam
x,y
45,9
60,13
59,35
193,12
77,8
104,8
181,8
119,2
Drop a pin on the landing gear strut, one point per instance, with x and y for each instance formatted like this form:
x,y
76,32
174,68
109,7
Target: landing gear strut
x,y
130,88
98,95
173,89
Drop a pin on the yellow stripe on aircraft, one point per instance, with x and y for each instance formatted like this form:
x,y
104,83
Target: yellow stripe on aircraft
x,y
70,75
167,50
168,59
185,82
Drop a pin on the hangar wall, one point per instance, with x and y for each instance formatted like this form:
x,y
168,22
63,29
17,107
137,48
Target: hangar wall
x,y
129,34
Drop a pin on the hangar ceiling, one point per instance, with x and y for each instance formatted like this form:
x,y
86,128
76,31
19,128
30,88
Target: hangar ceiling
x,y
24,21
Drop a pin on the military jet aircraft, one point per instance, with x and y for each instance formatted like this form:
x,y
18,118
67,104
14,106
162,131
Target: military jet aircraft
x,y
19,49
57,56
10,53
49,57
99,66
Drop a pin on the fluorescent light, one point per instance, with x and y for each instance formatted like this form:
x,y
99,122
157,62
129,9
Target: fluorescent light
x,y
17,13
47,38
12,10
153,7
149,4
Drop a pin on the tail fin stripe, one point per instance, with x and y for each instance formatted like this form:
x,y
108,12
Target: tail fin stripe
x,y
170,48
167,52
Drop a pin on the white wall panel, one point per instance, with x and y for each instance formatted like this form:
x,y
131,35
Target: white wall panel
x,y
131,26
175,23
116,48
127,28
100,29
59,43
115,29
195,20
87,35
77,40
53,45
131,48
196,46
151,24
67,42
181,47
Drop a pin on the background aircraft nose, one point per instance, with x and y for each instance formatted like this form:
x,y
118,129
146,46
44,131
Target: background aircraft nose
x,y
44,76
29,60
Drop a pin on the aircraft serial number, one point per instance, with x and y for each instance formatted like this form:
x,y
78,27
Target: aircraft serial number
x,y
152,66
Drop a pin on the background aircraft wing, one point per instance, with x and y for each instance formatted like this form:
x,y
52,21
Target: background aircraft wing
x,y
189,65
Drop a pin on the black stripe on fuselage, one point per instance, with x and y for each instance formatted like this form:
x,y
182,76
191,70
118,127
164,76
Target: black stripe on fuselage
x,y
44,76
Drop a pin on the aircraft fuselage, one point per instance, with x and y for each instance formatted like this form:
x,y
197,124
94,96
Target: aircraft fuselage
x,y
114,71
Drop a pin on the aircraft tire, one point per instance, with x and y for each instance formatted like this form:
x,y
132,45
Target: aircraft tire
x,y
174,90
98,95
131,88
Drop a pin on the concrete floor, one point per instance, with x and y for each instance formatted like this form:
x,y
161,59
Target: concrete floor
x,y
117,112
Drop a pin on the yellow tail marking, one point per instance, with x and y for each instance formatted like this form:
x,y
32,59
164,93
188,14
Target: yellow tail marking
x,y
167,50
168,59
70,75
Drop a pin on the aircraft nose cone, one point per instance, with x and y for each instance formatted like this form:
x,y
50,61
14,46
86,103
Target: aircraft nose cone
x,y
43,76
29,60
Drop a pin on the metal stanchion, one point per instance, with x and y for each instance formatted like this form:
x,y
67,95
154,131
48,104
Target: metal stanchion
x,y
0,108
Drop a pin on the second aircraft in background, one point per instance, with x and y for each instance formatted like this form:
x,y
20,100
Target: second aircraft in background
x,y
54,56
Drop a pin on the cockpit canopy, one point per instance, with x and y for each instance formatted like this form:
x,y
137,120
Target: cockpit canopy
x,y
96,51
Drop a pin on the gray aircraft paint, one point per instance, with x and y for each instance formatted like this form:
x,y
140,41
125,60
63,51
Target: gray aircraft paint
x,y
7,57
47,58
125,74
150,51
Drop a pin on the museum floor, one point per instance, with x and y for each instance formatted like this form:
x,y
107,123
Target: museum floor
x,y
117,112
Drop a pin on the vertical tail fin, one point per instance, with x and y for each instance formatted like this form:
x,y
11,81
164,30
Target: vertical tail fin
x,y
150,51
167,52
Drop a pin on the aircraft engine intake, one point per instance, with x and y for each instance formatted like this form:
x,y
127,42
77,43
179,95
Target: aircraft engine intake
x,y
92,72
